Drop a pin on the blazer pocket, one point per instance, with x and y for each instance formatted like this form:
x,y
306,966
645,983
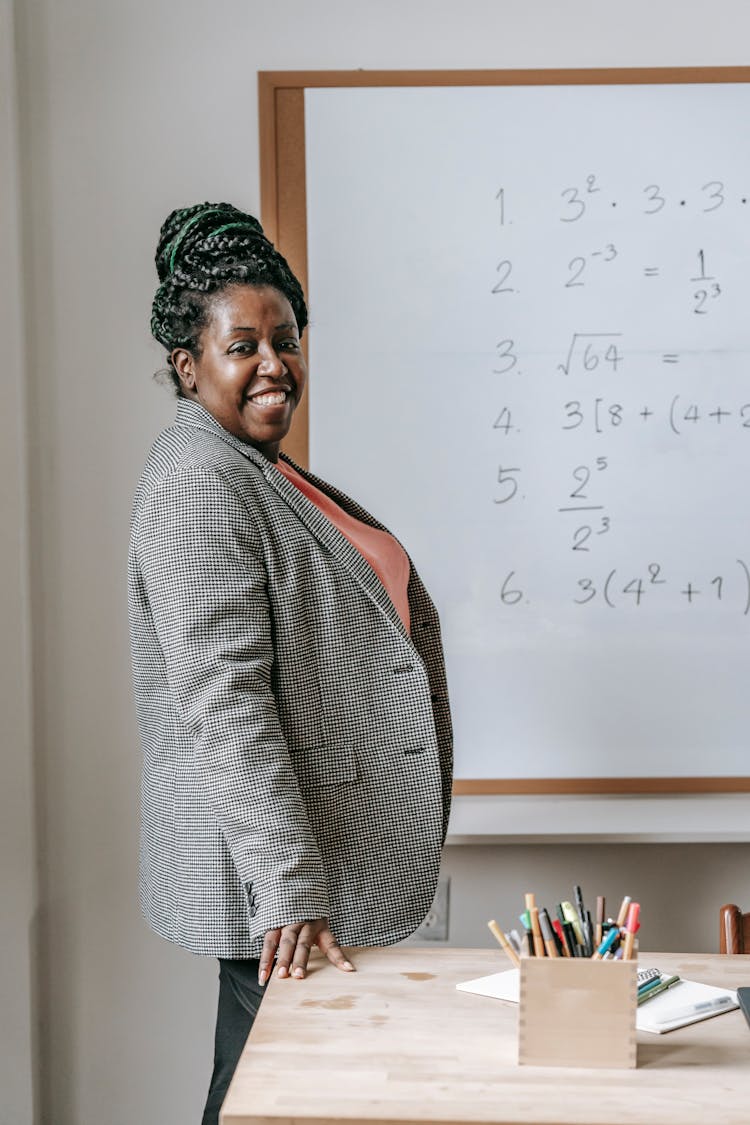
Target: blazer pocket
x,y
320,766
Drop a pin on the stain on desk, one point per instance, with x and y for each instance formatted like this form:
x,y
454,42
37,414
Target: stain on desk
x,y
418,976
341,1003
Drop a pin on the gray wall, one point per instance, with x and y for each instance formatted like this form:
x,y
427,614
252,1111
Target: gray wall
x,y
125,111
680,886
18,891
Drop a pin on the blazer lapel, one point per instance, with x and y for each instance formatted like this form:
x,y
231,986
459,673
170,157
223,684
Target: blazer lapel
x,y
329,536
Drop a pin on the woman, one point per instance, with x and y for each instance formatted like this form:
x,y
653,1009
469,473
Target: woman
x,y
287,661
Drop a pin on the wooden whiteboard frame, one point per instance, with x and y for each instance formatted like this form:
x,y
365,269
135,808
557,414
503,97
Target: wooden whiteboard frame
x,y
283,194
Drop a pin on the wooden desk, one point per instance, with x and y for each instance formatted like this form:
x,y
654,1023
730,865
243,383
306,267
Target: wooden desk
x,y
395,1043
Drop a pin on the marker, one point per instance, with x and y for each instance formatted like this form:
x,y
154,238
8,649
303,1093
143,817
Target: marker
x,y
515,940
584,923
631,927
657,986
536,932
525,921
599,919
623,911
570,937
607,944
557,927
702,1008
502,939
648,986
549,940
572,917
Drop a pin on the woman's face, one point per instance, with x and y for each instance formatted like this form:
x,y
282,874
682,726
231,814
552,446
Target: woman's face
x,y
250,372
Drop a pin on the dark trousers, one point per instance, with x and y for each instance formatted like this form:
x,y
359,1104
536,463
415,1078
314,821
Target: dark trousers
x,y
239,999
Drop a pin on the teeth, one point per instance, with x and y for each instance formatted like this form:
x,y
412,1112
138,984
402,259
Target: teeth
x,y
271,398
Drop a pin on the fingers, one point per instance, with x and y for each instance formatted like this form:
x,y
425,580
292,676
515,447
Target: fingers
x,y
291,946
305,942
270,945
287,948
327,944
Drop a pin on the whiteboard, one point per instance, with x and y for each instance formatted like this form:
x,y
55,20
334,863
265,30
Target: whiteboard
x,y
529,353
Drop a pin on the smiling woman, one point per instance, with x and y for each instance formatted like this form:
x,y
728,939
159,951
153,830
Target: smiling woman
x,y
287,660
249,371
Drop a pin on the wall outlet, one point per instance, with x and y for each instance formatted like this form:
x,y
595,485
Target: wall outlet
x,y
435,925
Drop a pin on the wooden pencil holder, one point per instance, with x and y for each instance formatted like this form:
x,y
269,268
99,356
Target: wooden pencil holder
x,y
577,1012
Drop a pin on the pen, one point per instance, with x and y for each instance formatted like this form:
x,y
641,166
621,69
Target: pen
x,y
502,939
653,988
570,937
578,895
536,932
631,926
549,941
525,921
572,917
599,919
588,934
702,1008
557,927
607,943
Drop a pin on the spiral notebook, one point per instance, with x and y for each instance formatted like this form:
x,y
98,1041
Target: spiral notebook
x,y
665,1012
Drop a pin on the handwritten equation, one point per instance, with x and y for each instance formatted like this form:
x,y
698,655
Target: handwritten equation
x,y
701,287
607,402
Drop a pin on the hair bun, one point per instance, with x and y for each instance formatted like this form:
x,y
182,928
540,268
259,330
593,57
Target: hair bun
x,y
186,227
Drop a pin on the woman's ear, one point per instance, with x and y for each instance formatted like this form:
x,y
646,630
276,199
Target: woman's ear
x,y
184,364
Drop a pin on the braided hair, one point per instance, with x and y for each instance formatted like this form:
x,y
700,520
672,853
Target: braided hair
x,y
203,250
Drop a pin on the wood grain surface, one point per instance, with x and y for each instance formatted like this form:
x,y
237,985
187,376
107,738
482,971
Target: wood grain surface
x,y
396,1043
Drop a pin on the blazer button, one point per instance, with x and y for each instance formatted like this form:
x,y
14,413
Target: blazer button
x,y
402,669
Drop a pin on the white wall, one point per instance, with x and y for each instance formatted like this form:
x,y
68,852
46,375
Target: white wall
x,y
127,110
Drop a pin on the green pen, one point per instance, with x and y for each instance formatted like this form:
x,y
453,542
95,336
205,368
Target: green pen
x,y
646,993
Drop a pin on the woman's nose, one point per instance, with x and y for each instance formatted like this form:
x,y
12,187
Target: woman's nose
x,y
271,362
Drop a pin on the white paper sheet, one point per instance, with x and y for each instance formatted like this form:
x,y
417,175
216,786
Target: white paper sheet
x,y
653,1016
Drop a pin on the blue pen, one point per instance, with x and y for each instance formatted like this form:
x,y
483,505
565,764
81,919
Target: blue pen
x,y
607,944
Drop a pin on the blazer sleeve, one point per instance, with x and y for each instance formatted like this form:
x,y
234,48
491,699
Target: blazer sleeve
x,y
205,582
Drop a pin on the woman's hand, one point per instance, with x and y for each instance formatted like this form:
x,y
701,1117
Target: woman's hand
x,y
291,946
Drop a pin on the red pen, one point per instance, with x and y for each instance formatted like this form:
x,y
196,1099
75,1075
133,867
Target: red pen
x,y
557,927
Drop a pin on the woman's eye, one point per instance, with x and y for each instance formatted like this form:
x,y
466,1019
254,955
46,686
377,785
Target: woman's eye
x,y
244,348
289,345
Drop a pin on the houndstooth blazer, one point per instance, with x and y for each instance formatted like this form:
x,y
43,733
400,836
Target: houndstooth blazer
x,y
296,741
